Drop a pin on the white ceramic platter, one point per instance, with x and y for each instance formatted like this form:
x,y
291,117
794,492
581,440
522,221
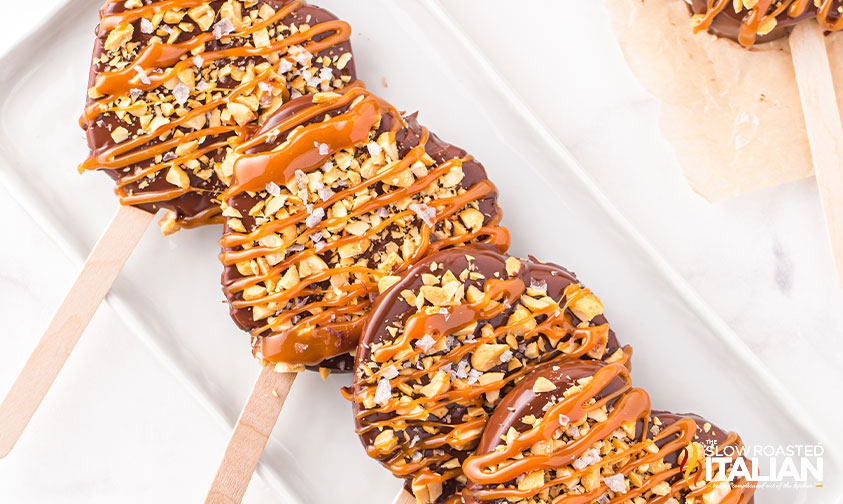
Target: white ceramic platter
x,y
411,53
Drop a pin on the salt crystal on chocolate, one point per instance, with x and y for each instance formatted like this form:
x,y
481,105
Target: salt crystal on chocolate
x,y
222,28
590,457
181,92
426,343
616,483
273,189
425,213
383,392
315,218
539,285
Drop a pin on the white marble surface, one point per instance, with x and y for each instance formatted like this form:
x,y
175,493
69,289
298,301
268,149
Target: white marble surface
x,y
112,430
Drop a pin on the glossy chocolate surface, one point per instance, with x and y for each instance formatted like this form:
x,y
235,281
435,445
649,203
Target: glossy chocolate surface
x,y
449,423
179,78
316,321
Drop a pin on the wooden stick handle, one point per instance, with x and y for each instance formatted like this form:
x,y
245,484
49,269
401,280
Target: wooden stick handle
x,y
404,497
825,133
250,436
93,283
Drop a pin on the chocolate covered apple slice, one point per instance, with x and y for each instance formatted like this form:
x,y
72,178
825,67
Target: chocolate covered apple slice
x,y
335,195
447,341
577,432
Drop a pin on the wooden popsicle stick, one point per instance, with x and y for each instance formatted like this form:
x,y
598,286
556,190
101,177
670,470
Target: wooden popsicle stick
x,y
250,436
81,302
822,120
404,497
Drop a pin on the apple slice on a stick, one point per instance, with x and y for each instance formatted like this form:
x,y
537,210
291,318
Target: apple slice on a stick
x,y
161,118
250,436
822,121
81,302
332,197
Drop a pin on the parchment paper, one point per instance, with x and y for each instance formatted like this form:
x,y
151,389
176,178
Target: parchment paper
x,y
733,115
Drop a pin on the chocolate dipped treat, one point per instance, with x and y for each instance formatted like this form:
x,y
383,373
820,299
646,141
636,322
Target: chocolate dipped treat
x,y
332,197
749,22
444,344
577,431
175,85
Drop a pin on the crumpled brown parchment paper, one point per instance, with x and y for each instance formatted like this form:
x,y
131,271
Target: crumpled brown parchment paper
x,y
733,115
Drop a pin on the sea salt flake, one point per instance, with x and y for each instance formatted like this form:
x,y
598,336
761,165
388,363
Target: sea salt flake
x,y
563,420
134,93
573,431
473,375
506,356
301,55
273,189
263,86
425,213
426,343
326,74
222,28
324,149
316,237
539,285
141,74
198,61
383,212
296,247
181,92
169,156
301,179
285,65
325,193
616,483
590,457
201,86
146,26
603,499
315,217
383,392
462,370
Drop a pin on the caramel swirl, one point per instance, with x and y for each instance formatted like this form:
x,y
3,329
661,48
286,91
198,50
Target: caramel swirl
x,y
176,85
764,20
334,195
447,341
576,432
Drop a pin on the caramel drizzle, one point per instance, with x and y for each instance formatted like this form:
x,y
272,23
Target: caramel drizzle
x,y
633,404
172,59
320,335
498,294
760,14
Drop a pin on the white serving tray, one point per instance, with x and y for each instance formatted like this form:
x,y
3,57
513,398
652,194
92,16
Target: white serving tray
x,y
410,52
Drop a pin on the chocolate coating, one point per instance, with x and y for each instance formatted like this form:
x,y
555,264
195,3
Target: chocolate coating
x,y
727,22
327,343
526,402
392,310
200,204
